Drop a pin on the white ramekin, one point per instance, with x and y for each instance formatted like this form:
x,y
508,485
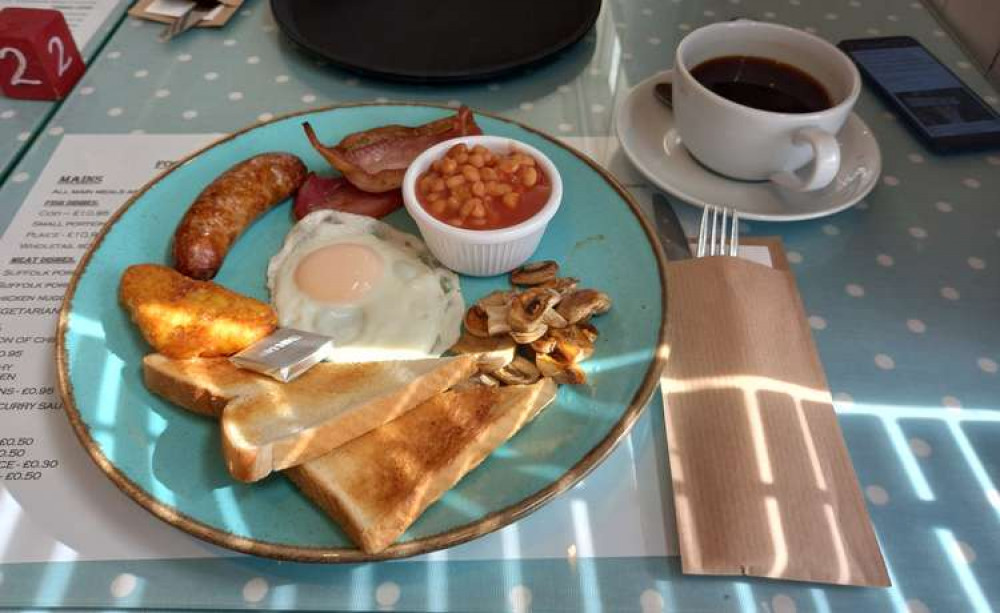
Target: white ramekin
x,y
481,253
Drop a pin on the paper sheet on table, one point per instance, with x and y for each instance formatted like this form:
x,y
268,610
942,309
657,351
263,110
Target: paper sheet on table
x,y
176,8
166,11
763,484
84,17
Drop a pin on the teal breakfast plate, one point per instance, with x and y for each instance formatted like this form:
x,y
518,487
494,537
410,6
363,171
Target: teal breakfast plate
x,y
170,461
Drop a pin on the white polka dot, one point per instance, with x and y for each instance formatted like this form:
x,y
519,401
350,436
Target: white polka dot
x,y
526,106
387,594
795,2
8,114
23,136
938,33
597,108
123,585
20,177
234,96
873,31
952,403
890,180
877,495
794,257
831,17
889,116
854,4
253,59
650,601
884,259
161,93
965,552
351,82
184,57
992,99
817,323
963,64
950,293
381,99
646,12
885,362
770,15
595,71
916,5
855,290
454,103
831,230
916,158
916,606
140,74
519,598
56,130
976,263
993,496
683,27
211,76
229,42
783,603
708,13
255,590
115,111
944,207
265,117
916,326
565,127
137,131
810,29
993,160
268,28
653,40
987,365
844,398
309,98
565,89
135,23
917,232
282,78
971,183
627,56
86,91
114,55
189,114
920,448
892,17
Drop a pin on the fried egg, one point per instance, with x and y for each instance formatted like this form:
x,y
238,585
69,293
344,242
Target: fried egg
x,y
378,292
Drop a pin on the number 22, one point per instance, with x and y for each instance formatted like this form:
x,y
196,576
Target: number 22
x,y
56,47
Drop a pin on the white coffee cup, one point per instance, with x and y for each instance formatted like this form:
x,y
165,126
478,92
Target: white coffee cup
x,y
752,144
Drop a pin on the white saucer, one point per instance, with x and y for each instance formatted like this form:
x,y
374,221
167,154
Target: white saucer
x,y
646,131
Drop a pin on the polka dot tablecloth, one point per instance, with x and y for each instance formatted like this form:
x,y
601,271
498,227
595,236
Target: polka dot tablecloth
x,y
21,120
903,294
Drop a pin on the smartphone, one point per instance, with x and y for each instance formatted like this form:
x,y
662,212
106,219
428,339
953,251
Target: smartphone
x,y
947,116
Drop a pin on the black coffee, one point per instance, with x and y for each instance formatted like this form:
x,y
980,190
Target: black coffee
x,y
763,83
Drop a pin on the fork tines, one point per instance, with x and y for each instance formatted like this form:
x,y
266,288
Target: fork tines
x,y
719,233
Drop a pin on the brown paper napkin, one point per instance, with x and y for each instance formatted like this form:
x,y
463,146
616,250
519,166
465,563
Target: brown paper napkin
x,y
229,7
763,484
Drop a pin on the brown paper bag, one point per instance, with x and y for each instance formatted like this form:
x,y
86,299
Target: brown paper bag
x,y
763,484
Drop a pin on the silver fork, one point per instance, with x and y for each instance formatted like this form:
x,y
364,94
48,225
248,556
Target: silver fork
x,y
712,237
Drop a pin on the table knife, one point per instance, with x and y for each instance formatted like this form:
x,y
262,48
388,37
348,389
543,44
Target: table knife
x,y
669,229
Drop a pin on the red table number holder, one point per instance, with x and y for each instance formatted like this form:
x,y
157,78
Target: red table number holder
x,y
38,58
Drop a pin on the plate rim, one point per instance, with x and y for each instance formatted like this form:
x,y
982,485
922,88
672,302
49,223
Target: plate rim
x,y
687,198
449,538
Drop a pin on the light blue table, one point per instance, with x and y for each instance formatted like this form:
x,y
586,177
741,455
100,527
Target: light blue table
x,y
903,293
21,120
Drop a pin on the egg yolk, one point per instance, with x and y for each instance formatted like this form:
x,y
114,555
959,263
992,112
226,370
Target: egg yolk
x,y
339,274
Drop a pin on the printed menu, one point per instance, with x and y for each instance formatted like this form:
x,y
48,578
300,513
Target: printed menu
x,y
82,16
56,505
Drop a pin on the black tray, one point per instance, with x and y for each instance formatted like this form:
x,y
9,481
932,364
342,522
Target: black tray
x,y
435,40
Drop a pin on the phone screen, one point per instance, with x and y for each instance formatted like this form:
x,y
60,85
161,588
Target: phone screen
x,y
927,91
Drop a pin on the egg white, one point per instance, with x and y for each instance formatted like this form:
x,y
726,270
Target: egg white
x,y
413,311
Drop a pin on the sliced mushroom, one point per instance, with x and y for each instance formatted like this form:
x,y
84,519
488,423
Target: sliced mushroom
x,y
519,372
497,319
572,344
544,344
534,273
553,319
560,371
475,322
528,308
531,335
589,330
582,303
561,284
478,380
496,298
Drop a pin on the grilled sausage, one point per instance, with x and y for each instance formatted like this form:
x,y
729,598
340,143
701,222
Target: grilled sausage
x,y
228,205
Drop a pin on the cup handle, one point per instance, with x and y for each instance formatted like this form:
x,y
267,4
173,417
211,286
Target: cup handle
x,y
826,162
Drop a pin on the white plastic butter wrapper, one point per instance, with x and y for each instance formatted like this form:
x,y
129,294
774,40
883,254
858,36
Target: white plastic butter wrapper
x,y
285,353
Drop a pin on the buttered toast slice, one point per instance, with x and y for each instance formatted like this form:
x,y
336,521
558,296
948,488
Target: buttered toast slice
x,y
267,425
376,485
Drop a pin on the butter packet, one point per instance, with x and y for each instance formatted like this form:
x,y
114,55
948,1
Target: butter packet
x,y
284,354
